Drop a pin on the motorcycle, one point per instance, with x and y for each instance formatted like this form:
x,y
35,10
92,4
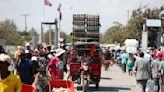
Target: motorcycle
x,y
90,74
85,75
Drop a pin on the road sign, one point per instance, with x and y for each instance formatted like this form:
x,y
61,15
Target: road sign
x,y
153,23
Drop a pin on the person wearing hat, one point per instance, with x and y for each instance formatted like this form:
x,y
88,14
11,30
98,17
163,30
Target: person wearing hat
x,y
27,46
28,54
35,69
148,56
9,82
55,65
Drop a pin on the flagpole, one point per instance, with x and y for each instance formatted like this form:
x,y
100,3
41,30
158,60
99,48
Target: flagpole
x,y
42,20
59,33
47,3
41,29
59,10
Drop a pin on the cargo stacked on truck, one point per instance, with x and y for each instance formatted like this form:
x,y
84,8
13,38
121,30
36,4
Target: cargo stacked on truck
x,y
86,44
85,31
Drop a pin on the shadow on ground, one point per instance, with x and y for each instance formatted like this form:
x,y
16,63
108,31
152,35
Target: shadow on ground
x,y
108,89
105,78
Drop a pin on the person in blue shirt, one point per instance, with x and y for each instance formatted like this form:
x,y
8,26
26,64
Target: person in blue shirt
x,y
25,69
124,58
130,63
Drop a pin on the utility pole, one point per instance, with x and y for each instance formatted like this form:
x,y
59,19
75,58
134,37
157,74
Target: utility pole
x,y
25,16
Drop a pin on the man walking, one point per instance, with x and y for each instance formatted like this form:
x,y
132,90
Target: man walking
x,y
143,71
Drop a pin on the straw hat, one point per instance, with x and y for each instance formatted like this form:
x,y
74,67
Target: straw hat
x,y
50,56
4,58
34,58
27,44
27,51
59,52
36,50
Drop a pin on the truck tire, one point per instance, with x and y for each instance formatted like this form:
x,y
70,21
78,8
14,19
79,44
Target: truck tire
x,y
97,85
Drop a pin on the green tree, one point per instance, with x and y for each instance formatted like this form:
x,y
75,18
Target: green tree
x,y
35,37
135,24
68,38
8,30
118,33
47,35
114,34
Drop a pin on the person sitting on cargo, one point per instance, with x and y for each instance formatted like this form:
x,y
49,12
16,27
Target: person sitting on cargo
x,y
72,58
96,59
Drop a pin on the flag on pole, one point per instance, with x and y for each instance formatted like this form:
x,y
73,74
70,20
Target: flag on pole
x,y
46,2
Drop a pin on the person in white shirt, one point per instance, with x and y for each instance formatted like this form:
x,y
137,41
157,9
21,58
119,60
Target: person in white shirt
x,y
148,56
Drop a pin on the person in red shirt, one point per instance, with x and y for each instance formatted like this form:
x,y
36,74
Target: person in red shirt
x,y
155,53
159,55
55,65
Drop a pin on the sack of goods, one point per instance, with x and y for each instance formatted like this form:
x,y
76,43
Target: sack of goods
x,y
131,43
132,50
150,86
61,89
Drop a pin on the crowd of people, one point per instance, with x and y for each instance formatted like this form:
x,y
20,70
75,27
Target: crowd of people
x,y
145,66
31,67
35,67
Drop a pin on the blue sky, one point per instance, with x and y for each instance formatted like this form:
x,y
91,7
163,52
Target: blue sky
x,y
109,11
